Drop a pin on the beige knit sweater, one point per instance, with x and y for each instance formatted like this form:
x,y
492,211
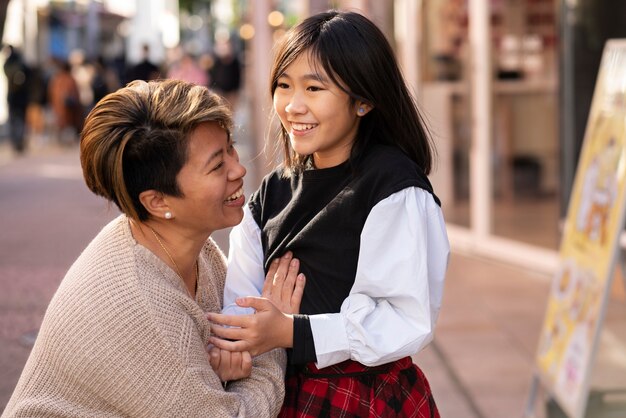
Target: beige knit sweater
x,y
121,337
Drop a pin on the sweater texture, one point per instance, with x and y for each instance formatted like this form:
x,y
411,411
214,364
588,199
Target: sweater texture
x,y
121,337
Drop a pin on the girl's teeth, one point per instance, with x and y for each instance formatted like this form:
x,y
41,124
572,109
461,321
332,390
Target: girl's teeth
x,y
302,126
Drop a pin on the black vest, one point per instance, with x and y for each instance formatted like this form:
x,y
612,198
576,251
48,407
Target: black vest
x,y
319,215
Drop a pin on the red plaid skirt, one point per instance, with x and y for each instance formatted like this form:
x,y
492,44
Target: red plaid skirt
x,y
350,389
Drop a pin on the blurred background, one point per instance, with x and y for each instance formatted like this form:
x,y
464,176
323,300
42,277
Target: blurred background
x,y
505,86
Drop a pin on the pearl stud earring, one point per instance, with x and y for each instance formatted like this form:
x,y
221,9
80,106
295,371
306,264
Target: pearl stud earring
x,y
168,215
361,110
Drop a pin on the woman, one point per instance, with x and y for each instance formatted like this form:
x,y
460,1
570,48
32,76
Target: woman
x,y
126,333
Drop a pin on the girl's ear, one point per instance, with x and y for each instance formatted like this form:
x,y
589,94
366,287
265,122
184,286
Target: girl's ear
x,y
155,204
363,108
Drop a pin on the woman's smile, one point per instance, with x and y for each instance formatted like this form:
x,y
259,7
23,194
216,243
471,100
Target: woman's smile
x,y
236,199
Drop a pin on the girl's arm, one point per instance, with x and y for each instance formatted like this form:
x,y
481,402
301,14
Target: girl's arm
x,y
245,274
284,288
274,298
393,306
245,277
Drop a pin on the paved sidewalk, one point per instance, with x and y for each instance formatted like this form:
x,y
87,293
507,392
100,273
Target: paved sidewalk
x,y
481,362
36,147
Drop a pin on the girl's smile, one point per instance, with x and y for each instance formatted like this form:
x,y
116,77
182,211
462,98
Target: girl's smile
x,y
302,128
320,118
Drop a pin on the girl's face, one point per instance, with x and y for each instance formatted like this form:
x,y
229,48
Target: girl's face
x,y
316,113
211,181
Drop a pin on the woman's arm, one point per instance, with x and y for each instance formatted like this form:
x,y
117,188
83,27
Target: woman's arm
x,y
146,358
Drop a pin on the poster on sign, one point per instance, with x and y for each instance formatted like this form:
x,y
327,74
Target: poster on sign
x,y
590,243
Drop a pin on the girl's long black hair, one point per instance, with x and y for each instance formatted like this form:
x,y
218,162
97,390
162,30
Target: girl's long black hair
x,y
355,54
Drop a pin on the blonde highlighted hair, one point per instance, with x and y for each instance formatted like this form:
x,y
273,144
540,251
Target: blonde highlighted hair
x,y
136,139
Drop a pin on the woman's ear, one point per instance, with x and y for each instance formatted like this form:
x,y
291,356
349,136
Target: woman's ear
x,y
363,108
155,204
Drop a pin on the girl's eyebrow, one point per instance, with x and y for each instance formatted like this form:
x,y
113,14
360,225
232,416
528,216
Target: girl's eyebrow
x,y
311,76
315,77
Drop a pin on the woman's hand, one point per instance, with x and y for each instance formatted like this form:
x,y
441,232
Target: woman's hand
x,y
283,285
258,333
230,366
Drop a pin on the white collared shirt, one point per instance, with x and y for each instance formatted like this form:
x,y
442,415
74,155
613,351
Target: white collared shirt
x,y
394,303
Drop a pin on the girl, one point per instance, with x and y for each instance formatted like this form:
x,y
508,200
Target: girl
x,y
352,202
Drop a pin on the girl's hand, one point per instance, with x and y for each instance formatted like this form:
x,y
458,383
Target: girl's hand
x,y
283,285
230,366
258,333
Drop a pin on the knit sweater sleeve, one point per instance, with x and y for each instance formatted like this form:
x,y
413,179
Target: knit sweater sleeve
x,y
119,340
264,390
200,392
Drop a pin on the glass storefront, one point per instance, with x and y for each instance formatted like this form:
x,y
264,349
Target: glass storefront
x,y
524,145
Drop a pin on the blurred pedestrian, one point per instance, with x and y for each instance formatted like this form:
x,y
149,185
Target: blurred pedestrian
x,y
225,72
188,69
19,78
126,334
82,73
145,69
65,102
103,80
353,203
36,112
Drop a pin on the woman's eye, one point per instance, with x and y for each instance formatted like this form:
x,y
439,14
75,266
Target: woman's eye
x,y
314,88
217,167
282,85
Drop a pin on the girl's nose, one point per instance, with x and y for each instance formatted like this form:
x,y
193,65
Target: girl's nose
x,y
295,105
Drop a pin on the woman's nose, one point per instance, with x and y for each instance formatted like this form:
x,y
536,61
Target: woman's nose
x,y
236,170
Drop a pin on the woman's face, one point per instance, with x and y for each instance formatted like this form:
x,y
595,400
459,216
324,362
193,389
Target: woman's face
x,y
315,112
211,182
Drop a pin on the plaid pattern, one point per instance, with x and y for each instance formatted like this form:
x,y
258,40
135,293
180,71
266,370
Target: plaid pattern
x,y
350,389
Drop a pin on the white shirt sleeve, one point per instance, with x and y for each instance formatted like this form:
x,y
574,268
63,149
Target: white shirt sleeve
x,y
394,303
392,308
245,275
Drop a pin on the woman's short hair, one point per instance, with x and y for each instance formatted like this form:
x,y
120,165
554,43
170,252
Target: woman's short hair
x,y
136,139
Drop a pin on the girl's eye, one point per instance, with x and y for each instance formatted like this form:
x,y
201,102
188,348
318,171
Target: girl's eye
x,y
282,85
314,88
